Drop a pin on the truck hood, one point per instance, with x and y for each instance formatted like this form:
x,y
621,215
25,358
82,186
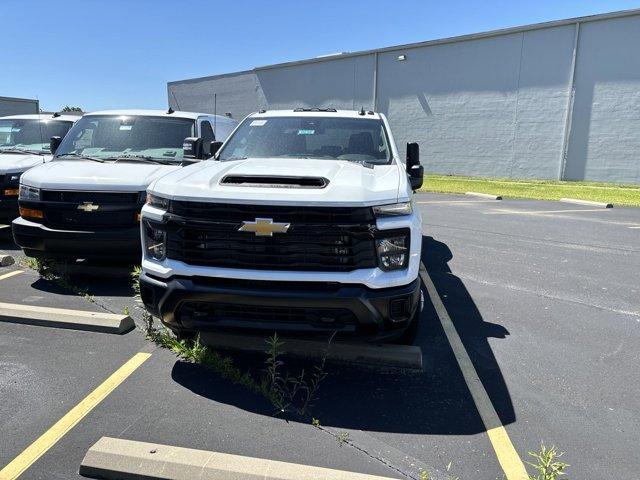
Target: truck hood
x,y
10,163
349,183
94,176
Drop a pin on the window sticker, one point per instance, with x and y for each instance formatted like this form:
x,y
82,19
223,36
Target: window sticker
x,y
257,123
125,127
306,132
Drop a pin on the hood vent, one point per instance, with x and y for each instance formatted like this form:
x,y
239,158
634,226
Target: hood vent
x,y
270,181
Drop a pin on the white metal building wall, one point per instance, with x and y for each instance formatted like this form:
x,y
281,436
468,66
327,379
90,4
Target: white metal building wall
x,y
555,100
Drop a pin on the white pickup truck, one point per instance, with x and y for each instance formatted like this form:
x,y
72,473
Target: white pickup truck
x,y
302,223
24,143
85,203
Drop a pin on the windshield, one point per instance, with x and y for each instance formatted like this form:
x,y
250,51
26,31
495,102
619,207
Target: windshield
x,y
309,137
30,135
137,138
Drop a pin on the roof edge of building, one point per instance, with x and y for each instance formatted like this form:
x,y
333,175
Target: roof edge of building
x,y
460,38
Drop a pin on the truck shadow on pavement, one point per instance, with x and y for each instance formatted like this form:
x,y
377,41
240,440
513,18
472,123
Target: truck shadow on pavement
x,y
435,401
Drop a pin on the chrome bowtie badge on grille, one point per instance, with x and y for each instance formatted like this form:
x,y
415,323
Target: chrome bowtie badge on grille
x,y
88,207
264,227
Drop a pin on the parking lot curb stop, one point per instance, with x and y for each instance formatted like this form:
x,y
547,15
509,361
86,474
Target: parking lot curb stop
x,y
587,202
484,195
113,458
64,318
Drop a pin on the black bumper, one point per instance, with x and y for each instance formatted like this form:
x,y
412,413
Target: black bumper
x,y
205,304
113,244
8,209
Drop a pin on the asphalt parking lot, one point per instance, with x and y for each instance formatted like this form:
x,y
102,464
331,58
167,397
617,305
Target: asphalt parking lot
x,y
544,297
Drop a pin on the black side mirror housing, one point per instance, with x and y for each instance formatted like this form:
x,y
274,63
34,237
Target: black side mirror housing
x,y
414,169
55,143
192,147
215,146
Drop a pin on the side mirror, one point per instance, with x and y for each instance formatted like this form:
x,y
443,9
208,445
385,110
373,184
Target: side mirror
x,y
414,169
215,146
192,147
55,143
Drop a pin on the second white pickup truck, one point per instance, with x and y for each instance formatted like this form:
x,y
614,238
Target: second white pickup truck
x,y
85,203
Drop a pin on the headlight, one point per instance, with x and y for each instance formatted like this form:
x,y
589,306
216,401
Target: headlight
x,y
393,210
155,241
157,202
393,252
29,193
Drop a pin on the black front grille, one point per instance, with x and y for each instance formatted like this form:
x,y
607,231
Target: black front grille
x,y
205,314
222,212
113,198
73,210
318,239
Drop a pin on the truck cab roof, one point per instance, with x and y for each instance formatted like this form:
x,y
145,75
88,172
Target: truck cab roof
x,y
43,117
159,113
318,112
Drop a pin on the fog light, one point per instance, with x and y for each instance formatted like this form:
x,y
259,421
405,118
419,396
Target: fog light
x,y
11,192
392,253
31,213
155,241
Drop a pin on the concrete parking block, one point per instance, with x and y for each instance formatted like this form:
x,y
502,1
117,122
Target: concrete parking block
x,y
6,260
587,202
385,355
113,458
484,195
64,318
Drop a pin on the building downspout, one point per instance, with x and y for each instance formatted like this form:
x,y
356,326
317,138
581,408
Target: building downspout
x,y
570,102
375,81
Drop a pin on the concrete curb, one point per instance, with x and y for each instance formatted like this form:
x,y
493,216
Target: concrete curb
x,y
587,202
484,195
63,318
385,355
6,260
113,458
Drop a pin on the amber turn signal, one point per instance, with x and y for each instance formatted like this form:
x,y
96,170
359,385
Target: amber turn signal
x,y
30,213
11,192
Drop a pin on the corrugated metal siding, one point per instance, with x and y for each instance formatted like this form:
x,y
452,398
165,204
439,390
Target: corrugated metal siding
x,y
493,105
17,106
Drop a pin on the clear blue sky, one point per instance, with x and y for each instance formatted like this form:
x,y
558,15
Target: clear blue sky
x,y
120,53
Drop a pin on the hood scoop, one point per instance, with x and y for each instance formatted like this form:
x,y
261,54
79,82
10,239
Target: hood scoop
x,y
271,181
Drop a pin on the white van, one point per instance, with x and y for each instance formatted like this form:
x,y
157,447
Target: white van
x,y
85,203
24,143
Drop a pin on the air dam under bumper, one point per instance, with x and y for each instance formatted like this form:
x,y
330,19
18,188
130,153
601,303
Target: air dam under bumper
x,y
112,244
306,308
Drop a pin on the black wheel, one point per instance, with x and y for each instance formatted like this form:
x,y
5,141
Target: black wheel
x,y
410,334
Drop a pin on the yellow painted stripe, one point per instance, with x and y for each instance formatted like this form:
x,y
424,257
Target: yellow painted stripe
x,y
10,274
507,456
38,448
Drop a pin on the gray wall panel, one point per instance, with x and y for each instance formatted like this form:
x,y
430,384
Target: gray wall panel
x,y
605,133
17,106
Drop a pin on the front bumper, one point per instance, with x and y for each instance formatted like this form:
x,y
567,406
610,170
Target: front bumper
x,y
8,209
38,240
205,304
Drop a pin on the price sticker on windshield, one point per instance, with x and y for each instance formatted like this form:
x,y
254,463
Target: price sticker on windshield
x,y
257,123
306,132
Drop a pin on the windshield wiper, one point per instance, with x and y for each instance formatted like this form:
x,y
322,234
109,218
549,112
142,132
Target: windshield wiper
x,y
82,157
144,158
22,151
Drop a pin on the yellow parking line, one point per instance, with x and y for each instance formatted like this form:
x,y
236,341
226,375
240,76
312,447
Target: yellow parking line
x,y
38,448
10,274
507,456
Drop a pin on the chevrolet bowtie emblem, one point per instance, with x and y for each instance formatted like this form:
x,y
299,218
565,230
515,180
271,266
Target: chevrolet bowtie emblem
x,y
264,227
88,207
